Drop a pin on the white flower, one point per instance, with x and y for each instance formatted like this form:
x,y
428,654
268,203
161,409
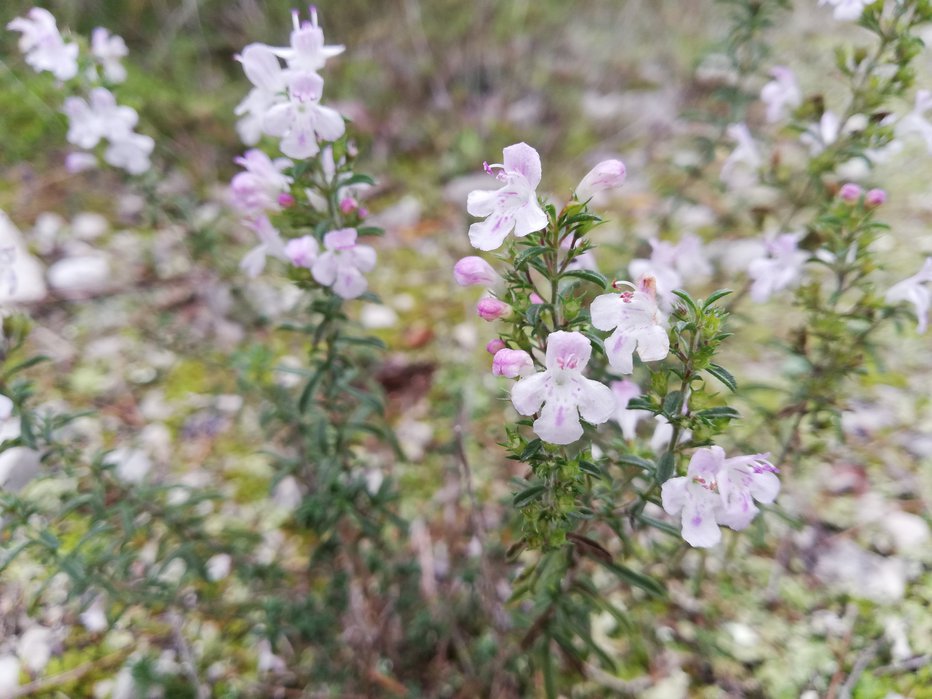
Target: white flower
x,y
302,122
819,136
307,52
627,419
34,648
780,269
847,10
915,122
914,291
744,155
9,675
511,207
130,151
780,94
265,72
637,323
43,45
108,49
562,390
343,262
669,263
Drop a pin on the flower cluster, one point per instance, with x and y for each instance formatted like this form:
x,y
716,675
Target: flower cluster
x,y
94,117
285,101
718,491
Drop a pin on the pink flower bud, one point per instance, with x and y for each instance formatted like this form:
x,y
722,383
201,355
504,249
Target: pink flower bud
x,y
535,298
850,192
875,197
348,204
512,363
491,309
285,200
494,346
302,252
606,175
474,270
362,212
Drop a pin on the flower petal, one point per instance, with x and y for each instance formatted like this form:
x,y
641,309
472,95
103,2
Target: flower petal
x,y
529,393
699,526
491,233
524,159
653,344
529,218
559,420
619,348
605,311
596,401
673,494
568,350
324,270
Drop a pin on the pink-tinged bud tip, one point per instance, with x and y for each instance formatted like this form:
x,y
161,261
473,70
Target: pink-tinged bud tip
x,y
474,270
875,197
347,205
608,174
491,309
850,192
535,298
512,363
495,345
285,200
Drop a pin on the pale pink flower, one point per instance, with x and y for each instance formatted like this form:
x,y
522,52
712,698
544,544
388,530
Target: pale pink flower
x,y
130,151
342,264
716,490
512,363
512,207
270,243
781,94
627,419
913,289
608,174
43,45
97,118
491,308
307,52
474,270
107,50
258,188
301,122
562,390
637,322
669,263
303,251
269,87
781,267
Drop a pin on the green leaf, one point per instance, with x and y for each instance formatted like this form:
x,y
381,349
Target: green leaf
x,y
531,449
529,253
370,231
528,495
642,403
639,580
672,403
665,467
724,376
716,413
589,276
715,296
658,524
592,469
637,462
358,178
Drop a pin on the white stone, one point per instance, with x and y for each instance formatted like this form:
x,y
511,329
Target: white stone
x,y
89,225
35,648
9,676
30,284
79,273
